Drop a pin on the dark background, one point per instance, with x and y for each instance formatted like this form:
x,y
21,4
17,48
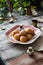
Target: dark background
x,y
39,4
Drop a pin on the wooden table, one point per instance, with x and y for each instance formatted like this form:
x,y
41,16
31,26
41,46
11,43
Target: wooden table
x,y
9,50
25,59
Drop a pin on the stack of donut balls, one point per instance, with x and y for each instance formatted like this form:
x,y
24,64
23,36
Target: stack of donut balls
x,y
23,35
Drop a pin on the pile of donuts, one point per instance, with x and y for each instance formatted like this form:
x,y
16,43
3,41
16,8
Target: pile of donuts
x,y
23,35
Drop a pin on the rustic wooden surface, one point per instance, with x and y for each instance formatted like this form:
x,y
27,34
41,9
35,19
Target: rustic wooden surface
x,y
7,49
25,59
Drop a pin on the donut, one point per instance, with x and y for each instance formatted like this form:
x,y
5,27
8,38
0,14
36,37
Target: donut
x,y
17,36
23,38
29,36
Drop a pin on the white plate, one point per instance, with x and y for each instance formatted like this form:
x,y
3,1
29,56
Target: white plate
x,y
10,37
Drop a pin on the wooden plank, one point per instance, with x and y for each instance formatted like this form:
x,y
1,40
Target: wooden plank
x,y
25,59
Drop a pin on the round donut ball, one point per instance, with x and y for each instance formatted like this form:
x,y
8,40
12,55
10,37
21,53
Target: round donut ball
x,y
17,36
23,38
15,31
29,31
23,32
29,36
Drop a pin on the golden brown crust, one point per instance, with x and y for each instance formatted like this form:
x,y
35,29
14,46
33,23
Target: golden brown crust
x,y
29,36
16,31
23,38
23,35
29,31
22,32
17,36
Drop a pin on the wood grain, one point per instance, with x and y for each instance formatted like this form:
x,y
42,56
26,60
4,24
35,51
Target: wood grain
x,y
25,59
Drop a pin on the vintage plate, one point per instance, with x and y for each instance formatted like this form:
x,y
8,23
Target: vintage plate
x,y
10,37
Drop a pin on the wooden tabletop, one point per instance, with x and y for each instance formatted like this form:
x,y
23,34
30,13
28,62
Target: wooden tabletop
x,y
9,50
25,59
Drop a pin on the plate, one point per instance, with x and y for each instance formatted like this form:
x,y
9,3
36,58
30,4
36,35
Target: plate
x,y
11,39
